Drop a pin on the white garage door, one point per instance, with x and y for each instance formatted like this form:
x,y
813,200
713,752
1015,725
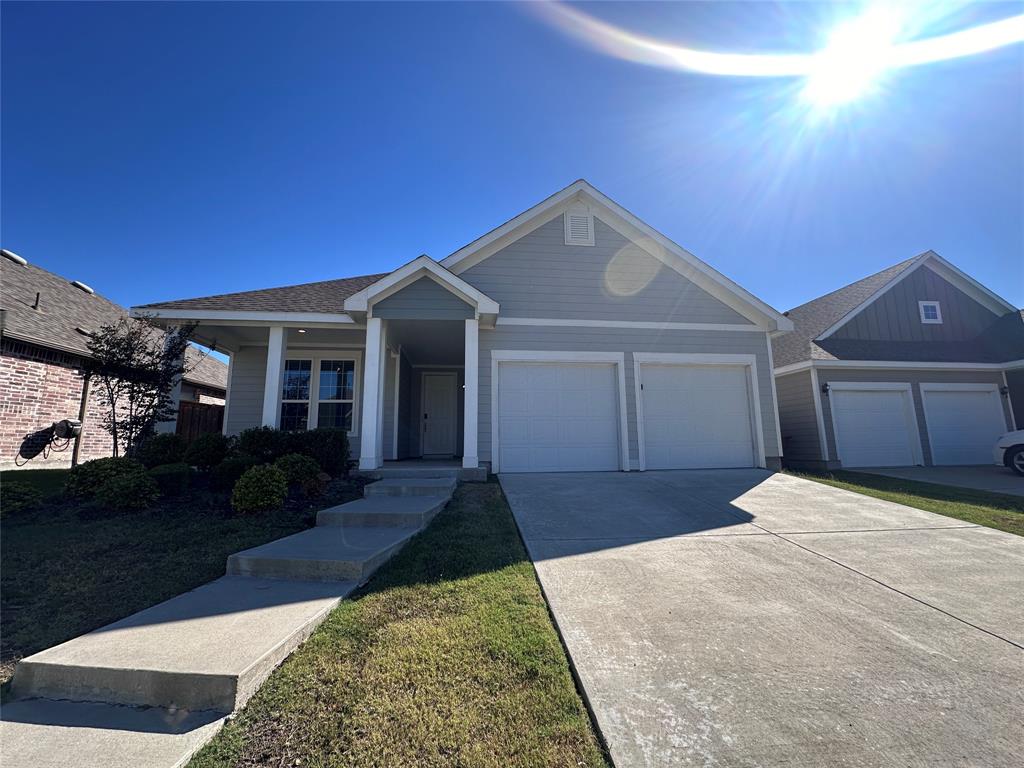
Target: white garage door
x,y
696,416
558,417
873,427
963,422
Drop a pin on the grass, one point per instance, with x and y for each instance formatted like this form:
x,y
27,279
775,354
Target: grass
x,y
448,657
992,510
69,569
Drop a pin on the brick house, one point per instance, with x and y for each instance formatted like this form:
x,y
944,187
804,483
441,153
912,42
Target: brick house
x,y
45,320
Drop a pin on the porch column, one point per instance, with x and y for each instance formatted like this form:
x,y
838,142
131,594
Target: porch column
x,y
371,446
171,426
272,381
470,460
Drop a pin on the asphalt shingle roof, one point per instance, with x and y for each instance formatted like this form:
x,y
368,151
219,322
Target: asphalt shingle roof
x,y
63,308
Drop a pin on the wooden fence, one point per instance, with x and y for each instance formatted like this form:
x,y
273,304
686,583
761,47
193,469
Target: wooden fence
x,y
195,419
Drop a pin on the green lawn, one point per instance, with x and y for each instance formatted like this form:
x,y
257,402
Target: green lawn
x,y
993,510
448,657
68,569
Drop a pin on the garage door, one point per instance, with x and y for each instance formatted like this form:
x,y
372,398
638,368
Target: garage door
x,y
963,422
873,427
558,417
696,416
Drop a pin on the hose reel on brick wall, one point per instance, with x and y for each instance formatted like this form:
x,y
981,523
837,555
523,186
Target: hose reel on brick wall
x,y
57,437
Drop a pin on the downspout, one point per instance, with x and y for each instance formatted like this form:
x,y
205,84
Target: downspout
x,y
83,407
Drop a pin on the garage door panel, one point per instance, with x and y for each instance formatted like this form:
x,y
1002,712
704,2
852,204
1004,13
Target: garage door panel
x,y
696,416
571,413
873,428
963,424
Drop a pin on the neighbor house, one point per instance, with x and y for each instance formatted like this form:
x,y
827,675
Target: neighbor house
x,y
918,364
572,337
45,323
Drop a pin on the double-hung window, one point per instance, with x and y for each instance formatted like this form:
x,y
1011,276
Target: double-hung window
x,y
319,392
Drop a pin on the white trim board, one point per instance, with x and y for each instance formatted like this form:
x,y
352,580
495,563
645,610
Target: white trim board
x,y
1009,404
895,364
499,356
882,386
678,358
629,226
639,324
818,415
287,319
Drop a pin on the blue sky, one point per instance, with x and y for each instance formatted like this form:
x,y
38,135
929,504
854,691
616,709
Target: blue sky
x,y
163,151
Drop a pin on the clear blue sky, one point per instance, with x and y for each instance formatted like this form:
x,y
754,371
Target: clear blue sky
x,y
163,151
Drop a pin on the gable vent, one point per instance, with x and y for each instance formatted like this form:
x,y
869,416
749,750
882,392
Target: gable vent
x,y
579,227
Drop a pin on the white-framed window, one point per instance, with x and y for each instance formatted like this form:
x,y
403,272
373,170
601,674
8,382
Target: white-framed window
x,y
319,390
931,312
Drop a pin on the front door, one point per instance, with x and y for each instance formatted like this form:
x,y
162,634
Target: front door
x,y
438,424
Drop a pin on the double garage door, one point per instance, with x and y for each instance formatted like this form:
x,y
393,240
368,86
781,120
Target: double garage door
x,y
565,417
876,425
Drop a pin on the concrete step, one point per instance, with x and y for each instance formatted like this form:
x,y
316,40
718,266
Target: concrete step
x,y
383,511
324,553
416,486
208,649
412,471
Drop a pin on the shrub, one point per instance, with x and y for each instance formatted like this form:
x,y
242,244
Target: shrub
x,y
260,489
163,448
328,447
301,471
17,497
86,479
207,451
224,476
125,493
264,443
172,479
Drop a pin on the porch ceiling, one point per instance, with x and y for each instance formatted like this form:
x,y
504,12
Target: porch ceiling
x,y
429,342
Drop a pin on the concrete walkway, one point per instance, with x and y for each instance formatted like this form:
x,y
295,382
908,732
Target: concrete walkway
x,y
740,618
151,689
982,478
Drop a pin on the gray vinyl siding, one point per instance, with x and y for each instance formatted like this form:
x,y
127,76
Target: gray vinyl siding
x,y
405,409
628,340
797,417
540,276
895,315
245,390
1015,382
423,300
388,429
915,378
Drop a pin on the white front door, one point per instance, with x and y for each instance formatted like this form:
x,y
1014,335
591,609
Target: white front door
x,y
558,417
696,416
439,414
964,421
874,427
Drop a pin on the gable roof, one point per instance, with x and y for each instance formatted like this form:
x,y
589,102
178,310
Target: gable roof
x,y
63,309
817,319
633,228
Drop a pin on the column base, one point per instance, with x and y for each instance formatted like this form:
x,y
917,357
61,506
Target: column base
x,y
370,463
470,462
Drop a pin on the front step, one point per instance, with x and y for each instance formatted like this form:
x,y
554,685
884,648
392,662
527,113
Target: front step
x,y
324,553
383,511
424,486
413,472
208,649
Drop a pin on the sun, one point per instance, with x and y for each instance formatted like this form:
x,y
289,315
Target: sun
x,y
858,54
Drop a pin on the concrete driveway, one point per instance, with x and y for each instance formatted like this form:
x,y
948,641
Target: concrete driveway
x,y
740,618
981,478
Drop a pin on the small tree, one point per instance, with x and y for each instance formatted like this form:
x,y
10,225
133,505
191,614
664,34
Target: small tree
x,y
135,366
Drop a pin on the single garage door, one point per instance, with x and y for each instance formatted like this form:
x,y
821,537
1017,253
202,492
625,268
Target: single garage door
x,y
873,427
964,422
558,417
696,416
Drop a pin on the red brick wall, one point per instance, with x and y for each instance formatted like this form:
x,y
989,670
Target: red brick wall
x,y
37,387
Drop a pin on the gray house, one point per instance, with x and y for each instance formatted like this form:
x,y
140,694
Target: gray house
x,y
918,364
572,337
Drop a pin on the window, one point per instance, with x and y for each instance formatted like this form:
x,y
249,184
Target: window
x,y
930,311
326,401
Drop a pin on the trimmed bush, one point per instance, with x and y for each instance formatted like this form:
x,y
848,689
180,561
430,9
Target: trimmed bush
x,y
301,471
260,489
328,447
224,476
264,443
128,493
172,479
86,479
162,448
207,451
17,497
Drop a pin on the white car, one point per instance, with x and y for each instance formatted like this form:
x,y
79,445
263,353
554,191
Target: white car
x,y
1009,451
